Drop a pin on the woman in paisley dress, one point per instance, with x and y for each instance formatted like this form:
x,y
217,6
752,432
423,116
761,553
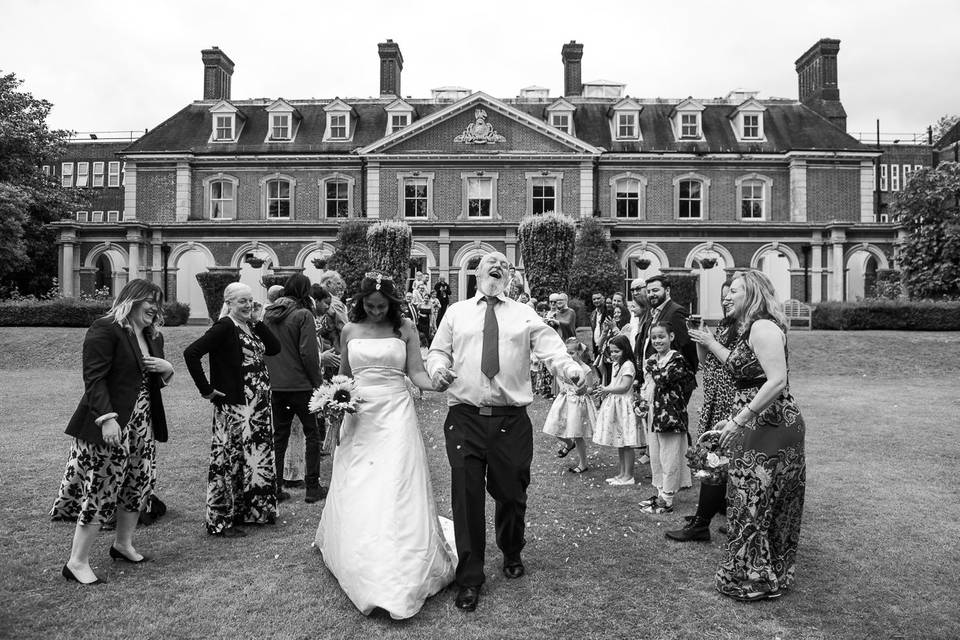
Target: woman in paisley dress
x,y
765,435
241,484
110,473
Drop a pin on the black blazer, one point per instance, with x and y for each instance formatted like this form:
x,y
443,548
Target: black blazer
x,y
112,370
222,342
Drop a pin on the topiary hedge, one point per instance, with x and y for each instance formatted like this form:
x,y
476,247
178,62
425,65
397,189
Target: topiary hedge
x,y
684,290
389,243
212,283
72,312
904,315
546,244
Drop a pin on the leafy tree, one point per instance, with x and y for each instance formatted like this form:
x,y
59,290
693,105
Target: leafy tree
x,y
595,266
546,244
929,209
29,200
944,124
351,257
389,245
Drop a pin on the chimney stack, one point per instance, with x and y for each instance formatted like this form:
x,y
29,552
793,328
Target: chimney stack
x,y
391,64
217,71
572,53
817,78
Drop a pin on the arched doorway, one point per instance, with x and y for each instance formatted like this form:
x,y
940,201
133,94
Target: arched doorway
x,y
642,261
470,282
776,266
313,271
103,278
188,264
712,276
861,274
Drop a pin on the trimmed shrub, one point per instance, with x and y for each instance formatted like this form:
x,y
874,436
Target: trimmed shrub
x,y
389,244
351,258
212,283
903,315
546,244
175,314
271,279
59,312
684,290
595,266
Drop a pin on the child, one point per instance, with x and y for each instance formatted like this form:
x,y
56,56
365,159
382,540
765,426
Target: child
x,y
616,422
572,416
663,410
544,379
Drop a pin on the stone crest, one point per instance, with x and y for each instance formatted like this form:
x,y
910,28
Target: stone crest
x,y
479,131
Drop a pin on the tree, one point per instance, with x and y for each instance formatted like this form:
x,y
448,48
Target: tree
x,y
546,244
389,244
350,257
595,266
929,209
944,124
29,200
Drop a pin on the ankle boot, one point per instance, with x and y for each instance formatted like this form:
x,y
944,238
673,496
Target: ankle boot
x,y
698,530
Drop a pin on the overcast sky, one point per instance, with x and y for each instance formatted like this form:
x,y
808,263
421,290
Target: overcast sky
x,y
110,65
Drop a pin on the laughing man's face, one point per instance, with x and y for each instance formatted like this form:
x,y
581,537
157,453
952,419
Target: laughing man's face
x,y
492,274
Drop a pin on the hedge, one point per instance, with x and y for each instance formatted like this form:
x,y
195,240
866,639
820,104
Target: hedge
x,y
212,283
72,312
904,315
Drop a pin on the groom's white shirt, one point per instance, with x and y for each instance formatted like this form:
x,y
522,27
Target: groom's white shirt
x,y
458,345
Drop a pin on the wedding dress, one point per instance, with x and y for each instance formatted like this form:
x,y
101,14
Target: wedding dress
x,y
379,532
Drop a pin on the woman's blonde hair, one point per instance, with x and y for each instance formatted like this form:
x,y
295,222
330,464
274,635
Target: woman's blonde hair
x,y
230,292
760,299
333,282
134,292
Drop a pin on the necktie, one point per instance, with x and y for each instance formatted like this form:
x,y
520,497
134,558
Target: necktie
x,y
490,358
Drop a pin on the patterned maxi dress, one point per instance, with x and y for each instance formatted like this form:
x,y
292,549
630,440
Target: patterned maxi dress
x,y
765,489
240,483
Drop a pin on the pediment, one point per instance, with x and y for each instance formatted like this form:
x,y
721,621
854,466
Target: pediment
x,y
280,106
223,106
400,106
750,104
338,106
561,105
689,105
479,124
627,104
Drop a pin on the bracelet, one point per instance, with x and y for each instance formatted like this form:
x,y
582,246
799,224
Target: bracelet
x,y
750,409
734,421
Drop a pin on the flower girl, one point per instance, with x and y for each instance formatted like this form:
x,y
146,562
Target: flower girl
x,y
616,421
572,416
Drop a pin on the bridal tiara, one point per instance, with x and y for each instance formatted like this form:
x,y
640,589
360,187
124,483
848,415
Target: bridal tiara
x,y
379,277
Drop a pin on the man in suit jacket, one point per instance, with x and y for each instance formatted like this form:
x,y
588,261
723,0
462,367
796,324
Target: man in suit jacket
x,y
597,316
663,309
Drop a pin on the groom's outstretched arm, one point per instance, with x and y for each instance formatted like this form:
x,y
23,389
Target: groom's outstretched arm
x,y
546,346
440,357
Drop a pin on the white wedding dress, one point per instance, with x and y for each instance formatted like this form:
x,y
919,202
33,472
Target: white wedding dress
x,y
379,533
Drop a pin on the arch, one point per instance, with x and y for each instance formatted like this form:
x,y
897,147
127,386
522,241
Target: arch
x,y
859,274
638,248
254,246
472,249
641,194
186,261
119,259
722,251
787,252
466,279
304,253
322,188
184,247
418,249
882,262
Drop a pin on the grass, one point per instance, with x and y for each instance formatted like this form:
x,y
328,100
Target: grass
x,y
877,557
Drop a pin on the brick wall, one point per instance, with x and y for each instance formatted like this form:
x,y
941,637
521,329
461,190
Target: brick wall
x,y
156,195
440,137
833,193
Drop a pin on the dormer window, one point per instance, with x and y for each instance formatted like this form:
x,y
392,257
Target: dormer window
x,y
689,125
561,121
339,126
399,121
751,125
280,126
223,127
626,125
227,122
747,121
399,116
560,116
283,121
687,120
626,120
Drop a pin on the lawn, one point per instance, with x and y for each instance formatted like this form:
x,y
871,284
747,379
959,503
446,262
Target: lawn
x,y
878,554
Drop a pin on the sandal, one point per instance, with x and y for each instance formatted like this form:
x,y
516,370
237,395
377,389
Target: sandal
x,y
578,469
565,450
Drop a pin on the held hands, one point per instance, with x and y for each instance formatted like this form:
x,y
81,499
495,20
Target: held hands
x,y
157,365
329,358
110,430
575,375
701,337
215,395
443,378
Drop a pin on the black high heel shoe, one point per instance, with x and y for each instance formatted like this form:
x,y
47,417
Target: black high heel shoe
x,y
66,573
117,555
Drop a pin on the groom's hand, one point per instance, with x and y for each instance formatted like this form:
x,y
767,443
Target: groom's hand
x,y
575,375
443,378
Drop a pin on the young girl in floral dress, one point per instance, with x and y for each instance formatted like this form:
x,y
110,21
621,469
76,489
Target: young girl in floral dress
x,y
616,422
663,410
572,415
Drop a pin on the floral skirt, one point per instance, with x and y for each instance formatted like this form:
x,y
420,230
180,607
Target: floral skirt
x,y
99,478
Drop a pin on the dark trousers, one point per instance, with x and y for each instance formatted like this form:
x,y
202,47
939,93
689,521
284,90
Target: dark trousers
x,y
287,404
489,453
713,500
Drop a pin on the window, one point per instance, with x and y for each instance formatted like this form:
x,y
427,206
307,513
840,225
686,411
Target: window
x,y
894,177
399,121
751,125
46,169
83,173
907,173
223,127
98,174
278,198
83,216
415,198
479,197
223,204
690,199
113,174
338,126
96,216
627,198
338,199
626,125
917,167
561,121
113,216
751,200
883,177
280,126
544,195
66,174
689,125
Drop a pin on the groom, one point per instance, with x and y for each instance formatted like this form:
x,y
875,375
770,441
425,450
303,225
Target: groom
x,y
481,355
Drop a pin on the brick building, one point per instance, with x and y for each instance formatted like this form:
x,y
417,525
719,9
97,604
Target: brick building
x,y
732,182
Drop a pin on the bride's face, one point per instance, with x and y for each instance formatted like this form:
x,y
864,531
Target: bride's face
x,y
376,305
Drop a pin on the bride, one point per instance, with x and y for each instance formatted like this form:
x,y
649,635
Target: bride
x,y
379,533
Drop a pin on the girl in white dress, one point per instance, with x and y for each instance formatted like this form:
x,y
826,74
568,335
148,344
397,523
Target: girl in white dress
x,y
572,415
379,533
616,421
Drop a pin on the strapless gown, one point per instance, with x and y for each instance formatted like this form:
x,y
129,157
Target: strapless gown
x,y
379,532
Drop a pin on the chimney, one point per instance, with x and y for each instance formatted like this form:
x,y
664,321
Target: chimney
x,y
817,78
391,64
572,53
217,71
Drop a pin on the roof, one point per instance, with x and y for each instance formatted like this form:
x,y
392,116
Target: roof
x,y
788,126
951,136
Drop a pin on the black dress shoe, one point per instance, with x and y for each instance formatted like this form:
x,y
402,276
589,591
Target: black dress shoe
x,y
229,532
118,555
66,573
467,598
316,493
282,496
513,570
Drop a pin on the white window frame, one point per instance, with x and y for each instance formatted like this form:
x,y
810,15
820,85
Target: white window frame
x,y
758,134
883,177
641,195
96,216
265,198
275,125
113,174
766,191
634,127
466,177
83,216
704,196
894,177
322,184
113,216
907,174
66,174
917,167
83,174
395,125
695,125
566,126
219,126
556,177
407,177
46,169
208,195
97,174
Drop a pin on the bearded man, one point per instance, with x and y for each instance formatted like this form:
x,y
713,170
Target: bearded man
x,y
481,356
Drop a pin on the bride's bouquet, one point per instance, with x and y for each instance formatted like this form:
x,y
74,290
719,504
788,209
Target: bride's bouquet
x,y
334,399
708,461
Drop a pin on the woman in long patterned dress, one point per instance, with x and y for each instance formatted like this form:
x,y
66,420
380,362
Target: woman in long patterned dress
x,y
241,483
111,472
765,433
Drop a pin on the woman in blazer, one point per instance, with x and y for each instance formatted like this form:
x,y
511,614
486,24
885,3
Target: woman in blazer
x,y
115,425
241,484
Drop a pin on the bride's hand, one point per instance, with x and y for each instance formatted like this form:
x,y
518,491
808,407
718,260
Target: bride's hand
x,y
443,378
